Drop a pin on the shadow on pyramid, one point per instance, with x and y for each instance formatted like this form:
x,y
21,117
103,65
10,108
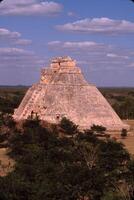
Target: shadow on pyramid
x,y
63,92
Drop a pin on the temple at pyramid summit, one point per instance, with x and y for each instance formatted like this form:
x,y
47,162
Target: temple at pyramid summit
x,y
63,92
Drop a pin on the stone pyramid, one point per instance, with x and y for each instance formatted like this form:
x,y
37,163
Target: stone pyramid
x,y
63,92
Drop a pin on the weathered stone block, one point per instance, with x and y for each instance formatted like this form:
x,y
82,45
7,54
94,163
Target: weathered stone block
x,y
63,92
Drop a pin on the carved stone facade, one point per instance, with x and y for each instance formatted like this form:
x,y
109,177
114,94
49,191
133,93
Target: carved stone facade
x,y
63,92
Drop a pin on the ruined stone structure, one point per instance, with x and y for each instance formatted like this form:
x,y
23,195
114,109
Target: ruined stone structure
x,y
63,92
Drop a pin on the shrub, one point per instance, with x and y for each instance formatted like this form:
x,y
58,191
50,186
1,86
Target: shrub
x,y
98,129
124,133
68,126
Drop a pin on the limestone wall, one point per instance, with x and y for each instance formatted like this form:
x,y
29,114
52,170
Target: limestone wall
x,y
63,91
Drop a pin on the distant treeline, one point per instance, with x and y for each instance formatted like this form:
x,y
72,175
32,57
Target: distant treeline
x,y
10,97
121,99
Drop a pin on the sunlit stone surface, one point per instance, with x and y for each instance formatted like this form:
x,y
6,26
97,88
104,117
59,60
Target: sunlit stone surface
x,y
63,92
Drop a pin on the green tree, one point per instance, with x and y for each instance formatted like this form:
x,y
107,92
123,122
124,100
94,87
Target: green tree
x,y
68,126
97,129
124,133
51,167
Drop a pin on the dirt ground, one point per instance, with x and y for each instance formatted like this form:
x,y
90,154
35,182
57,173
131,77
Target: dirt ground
x,y
129,140
6,164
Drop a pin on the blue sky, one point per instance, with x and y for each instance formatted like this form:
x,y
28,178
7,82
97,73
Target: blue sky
x,y
99,34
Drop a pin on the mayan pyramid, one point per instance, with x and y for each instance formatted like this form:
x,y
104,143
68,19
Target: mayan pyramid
x,y
63,92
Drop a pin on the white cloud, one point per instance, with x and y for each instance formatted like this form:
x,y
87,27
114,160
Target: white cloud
x,y
12,37
12,57
99,25
112,55
72,14
29,7
14,51
19,66
96,55
90,45
17,57
23,42
5,33
131,64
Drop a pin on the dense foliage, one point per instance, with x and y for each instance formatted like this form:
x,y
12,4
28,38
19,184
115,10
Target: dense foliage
x,y
122,100
68,167
10,98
